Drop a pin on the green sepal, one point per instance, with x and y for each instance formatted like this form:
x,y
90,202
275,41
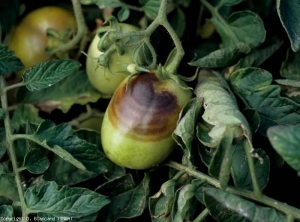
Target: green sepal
x,y
113,22
163,74
104,42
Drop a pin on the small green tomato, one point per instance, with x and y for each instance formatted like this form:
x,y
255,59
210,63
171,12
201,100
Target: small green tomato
x,y
107,79
138,124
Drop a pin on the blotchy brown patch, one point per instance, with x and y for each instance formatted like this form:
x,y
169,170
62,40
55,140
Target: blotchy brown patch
x,y
145,111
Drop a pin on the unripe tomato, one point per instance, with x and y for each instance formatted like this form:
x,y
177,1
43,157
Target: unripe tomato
x,y
29,40
106,80
138,124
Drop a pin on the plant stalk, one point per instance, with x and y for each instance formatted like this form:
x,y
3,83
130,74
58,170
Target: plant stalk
x,y
202,215
161,19
14,86
290,211
10,147
132,7
217,17
82,29
256,189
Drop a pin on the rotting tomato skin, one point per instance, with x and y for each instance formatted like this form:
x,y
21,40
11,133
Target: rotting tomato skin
x,y
138,124
29,39
103,79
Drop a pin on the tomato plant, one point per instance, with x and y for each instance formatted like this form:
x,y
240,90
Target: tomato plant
x,y
106,77
28,39
202,126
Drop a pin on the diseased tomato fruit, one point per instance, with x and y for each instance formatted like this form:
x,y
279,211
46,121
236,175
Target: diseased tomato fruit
x,y
29,40
138,124
106,80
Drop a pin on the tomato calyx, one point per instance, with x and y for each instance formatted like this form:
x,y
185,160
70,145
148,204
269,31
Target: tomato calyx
x,y
107,45
57,38
106,34
162,73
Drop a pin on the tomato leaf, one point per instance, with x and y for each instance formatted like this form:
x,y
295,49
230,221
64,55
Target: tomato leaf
x,y
159,208
123,14
62,95
129,204
1,169
224,124
221,162
254,87
290,68
48,198
9,63
237,208
222,57
256,57
23,146
110,169
102,3
285,140
142,2
289,17
240,169
178,22
6,211
223,3
290,88
92,157
160,204
25,113
151,8
45,74
36,161
184,133
221,109
58,140
241,27
3,143
184,201
2,114
117,186
8,191
205,140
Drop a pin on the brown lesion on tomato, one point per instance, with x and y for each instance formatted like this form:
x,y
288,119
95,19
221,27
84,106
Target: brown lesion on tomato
x,y
145,111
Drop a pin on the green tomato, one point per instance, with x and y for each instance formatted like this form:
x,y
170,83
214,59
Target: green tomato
x,y
138,124
29,38
106,80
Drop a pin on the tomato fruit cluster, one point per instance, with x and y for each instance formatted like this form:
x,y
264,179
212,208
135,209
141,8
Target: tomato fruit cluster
x,y
29,39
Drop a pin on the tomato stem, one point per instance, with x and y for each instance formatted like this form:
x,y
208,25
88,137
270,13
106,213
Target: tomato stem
x,y
82,30
290,211
256,189
153,53
135,8
17,85
217,18
162,20
10,147
202,216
